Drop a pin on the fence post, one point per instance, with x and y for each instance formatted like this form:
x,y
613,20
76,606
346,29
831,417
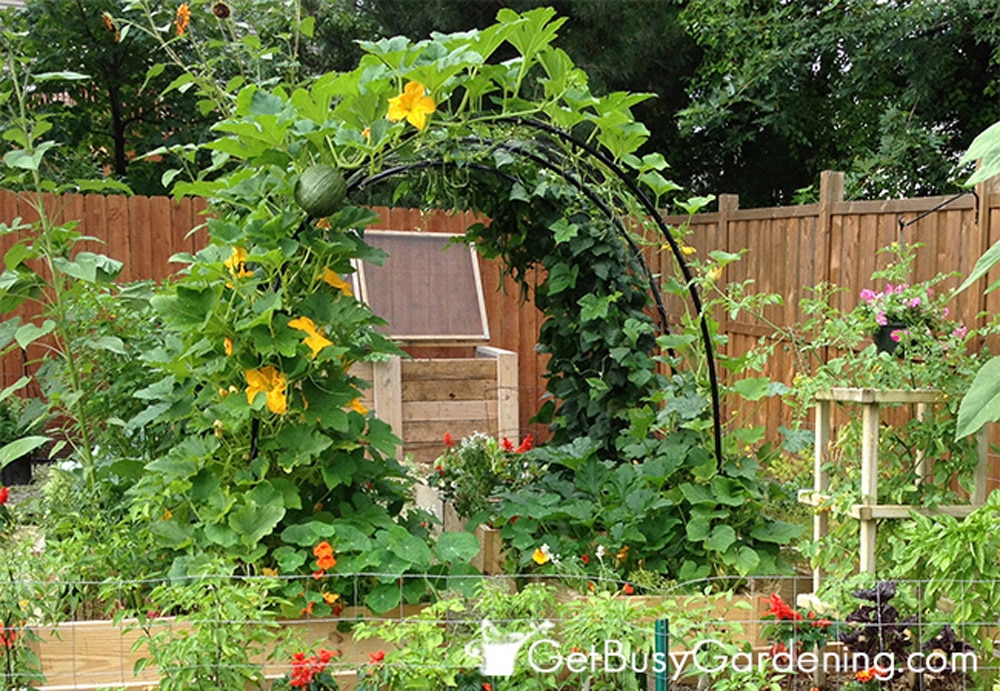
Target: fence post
x,y
662,650
728,203
831,191
984,191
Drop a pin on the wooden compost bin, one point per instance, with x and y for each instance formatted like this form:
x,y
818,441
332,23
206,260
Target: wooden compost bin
x,y
423,399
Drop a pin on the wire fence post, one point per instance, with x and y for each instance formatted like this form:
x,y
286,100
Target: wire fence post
x,y
662,672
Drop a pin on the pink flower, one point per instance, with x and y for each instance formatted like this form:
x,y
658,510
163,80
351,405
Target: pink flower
x,y
868,295
881,319
914,302
897,334
959,332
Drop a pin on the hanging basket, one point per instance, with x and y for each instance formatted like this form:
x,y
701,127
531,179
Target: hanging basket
x,y
884,342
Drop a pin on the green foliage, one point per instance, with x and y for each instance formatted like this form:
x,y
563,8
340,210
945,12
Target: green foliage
x,y
477,468
45,268
22,602
786,90
437,647
957,561
981,404
670,514
934,352
221,633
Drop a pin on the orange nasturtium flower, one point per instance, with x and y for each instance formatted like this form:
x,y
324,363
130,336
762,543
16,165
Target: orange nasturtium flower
x,y
314,339
540,556
272,383
324,556
237,263
183,19
227,345
334,280
412,105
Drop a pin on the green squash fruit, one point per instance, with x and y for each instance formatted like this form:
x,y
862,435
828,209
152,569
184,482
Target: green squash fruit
x,y
321,190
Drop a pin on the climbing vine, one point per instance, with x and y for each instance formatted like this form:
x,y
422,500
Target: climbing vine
x,y
280,465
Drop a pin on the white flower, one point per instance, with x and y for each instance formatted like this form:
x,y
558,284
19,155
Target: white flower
x,y
601,552
809,601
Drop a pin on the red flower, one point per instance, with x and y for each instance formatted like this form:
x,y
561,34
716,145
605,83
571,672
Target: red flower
x,y
780,609
487,686
376,657
449,441
4,495
822,623
439,469
628,589
526,445
7,636
305,668
864,675
507,445
585,559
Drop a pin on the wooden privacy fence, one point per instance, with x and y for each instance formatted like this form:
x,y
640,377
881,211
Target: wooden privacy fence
x,y
144,232
789,249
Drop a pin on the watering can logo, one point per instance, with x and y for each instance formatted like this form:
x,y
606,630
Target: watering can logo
x,y
498,650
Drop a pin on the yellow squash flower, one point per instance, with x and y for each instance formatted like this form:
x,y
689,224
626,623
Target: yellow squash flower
x,y
333,279
227,345
272,383
412,105
237,263
314,339
357,406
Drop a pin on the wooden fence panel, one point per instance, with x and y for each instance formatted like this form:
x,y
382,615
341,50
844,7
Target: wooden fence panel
x,y
787,251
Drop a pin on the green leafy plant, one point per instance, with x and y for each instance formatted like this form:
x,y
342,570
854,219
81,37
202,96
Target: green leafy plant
x,y
475,469
981,403
957,557
218,635
310,672
437,647
934,352
597,515
794,630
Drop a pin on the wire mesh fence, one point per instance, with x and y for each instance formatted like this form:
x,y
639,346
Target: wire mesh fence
x,y
505,632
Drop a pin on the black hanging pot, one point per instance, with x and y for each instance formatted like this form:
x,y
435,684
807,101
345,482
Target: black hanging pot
x,y
884,342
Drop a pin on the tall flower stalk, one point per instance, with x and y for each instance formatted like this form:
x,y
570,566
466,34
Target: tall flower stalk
x,y
51,245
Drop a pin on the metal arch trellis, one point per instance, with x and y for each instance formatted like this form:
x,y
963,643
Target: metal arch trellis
x,y
645,203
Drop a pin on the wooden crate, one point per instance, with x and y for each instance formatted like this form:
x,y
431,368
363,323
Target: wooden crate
x,y
422,399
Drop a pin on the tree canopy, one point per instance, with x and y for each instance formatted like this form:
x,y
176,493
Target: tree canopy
x,y
754,97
